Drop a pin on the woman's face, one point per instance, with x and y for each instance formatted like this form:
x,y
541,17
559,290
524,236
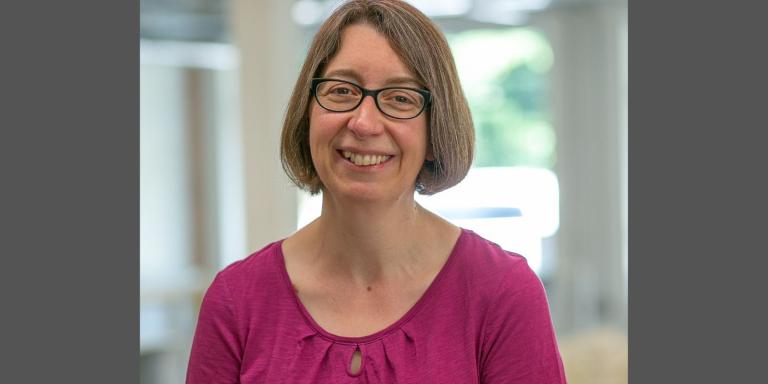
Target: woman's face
x,y
339,139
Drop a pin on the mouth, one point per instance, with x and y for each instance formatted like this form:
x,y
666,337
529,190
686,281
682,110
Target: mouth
x,y
365,160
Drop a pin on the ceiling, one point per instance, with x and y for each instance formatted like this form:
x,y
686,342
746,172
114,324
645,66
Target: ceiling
x,y
206,20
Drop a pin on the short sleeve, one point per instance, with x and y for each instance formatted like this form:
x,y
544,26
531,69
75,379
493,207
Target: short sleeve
x,y
519,345
216,353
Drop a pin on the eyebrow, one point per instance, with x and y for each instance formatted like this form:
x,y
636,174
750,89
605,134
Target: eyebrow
x,y
352,74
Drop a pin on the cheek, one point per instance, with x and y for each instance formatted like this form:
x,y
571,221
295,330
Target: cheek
x,y
419,137
315,144
320,124
321,134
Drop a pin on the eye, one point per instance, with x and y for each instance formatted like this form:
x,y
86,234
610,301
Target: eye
x,y
342,90
402,99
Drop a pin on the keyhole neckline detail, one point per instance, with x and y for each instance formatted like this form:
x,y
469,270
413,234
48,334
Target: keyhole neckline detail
x,y
358,351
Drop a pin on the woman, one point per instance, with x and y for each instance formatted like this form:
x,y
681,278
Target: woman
x,y
377,289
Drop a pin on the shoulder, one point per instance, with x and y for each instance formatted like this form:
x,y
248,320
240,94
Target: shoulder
x,y
253,273
492,268
264,258
500,283
517,340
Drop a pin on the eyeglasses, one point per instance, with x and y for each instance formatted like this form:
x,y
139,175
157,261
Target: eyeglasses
x,y
396,102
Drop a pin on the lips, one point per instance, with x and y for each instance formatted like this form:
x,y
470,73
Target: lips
x,y
364,159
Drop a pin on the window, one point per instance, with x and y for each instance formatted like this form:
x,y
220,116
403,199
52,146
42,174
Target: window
x,y
190,197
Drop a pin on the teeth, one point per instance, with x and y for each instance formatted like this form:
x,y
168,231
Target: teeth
x,y
358,159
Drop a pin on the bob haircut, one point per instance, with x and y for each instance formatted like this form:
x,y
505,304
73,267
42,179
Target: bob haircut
x,y
424,50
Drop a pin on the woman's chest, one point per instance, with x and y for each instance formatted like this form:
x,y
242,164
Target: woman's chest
x,y
358,312
401,356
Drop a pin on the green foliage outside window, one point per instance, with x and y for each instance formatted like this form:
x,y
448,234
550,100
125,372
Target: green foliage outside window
x,y
505,76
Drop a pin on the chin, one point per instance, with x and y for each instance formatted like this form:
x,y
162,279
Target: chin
x,y
362,192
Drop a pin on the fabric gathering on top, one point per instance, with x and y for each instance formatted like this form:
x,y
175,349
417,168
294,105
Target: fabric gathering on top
x,y
484,319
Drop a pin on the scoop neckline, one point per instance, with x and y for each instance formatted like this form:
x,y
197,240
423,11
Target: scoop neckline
x,y
429,292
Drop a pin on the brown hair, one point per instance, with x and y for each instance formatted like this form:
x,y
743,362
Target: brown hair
x,y
423,49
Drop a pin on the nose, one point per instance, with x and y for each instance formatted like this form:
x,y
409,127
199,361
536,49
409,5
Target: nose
x,y
366,119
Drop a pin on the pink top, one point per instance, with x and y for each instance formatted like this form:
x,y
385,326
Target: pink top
x,y
484,319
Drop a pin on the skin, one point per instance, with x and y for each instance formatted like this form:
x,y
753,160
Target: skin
x,y
373,251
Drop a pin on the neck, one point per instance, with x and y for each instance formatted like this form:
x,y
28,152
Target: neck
x,y
371,242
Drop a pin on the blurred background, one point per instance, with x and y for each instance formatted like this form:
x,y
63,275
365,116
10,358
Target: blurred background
x,y
547,84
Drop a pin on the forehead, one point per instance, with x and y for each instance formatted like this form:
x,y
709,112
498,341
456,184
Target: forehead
x,y
366,56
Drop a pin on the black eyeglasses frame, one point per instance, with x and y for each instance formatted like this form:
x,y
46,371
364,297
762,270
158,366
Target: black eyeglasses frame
x,y
374,93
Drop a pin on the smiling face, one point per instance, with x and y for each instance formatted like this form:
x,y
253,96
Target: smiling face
x,y
363,154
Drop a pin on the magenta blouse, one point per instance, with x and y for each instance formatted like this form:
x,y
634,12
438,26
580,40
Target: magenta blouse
x,y
484,319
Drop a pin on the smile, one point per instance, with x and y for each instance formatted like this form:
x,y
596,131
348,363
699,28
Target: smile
x,y
364,160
